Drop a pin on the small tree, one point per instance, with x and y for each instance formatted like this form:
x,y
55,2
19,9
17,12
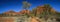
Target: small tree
x,y
26,6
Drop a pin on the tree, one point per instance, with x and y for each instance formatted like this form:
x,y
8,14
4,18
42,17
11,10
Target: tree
x,y
26,6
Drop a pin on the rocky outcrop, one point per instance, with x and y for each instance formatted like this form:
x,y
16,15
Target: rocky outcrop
x,y
13,13
25,12
10,12
41,9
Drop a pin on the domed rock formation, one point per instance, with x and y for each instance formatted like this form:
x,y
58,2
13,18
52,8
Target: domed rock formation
x,y
41,9
10,12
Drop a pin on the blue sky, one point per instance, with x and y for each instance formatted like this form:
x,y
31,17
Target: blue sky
x,y
16,5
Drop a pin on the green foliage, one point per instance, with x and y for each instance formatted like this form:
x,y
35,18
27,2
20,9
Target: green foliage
x,y
34,11
31,14
26,5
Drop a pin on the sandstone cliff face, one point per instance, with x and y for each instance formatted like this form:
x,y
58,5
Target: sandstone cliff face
x,y
53,11
41,9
